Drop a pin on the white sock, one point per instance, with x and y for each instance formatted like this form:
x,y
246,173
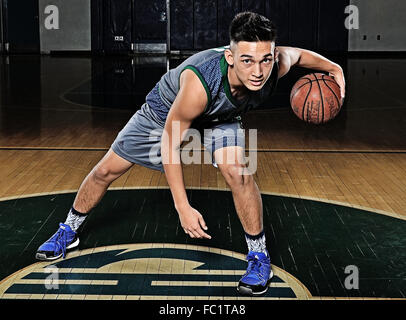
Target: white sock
x,y
75,219
256,243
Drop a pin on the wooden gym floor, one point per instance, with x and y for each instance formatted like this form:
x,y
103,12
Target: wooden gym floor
x,y
51,136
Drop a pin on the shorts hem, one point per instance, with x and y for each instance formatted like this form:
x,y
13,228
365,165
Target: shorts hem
x,y
127,157
221,144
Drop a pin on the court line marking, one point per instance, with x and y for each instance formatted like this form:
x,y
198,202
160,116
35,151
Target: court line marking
x,y
344,204
300,290
389,151
67,282
209,283
296,285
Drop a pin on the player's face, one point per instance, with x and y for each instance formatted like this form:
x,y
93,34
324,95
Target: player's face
x,y
253,62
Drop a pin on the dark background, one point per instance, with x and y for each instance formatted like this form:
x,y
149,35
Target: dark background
x,y
119,82
194,24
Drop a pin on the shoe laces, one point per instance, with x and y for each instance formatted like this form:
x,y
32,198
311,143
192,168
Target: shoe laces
x,y
60,239
256,266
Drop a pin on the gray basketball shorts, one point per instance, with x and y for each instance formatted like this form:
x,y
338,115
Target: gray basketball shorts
x,y
140,140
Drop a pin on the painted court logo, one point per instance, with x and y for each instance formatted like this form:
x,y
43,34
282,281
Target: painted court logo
x,y
143,271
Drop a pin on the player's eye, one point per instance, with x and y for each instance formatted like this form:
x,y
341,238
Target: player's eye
x,y
266,60
246,61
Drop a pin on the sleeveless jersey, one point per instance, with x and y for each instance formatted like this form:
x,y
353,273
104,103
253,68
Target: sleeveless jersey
x,y
211,67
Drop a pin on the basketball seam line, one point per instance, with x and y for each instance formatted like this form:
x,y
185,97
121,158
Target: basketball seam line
x,y
338,101
307,96
309,82
322,101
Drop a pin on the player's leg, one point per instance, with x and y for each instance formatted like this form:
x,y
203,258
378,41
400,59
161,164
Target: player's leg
x,y
226,143
91,191
98,180
248,204
245,192
132,145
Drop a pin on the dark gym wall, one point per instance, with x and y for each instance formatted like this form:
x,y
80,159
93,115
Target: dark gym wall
x,y
117,32
123,26
150,20
119,26
21,25
1,27
311,24
111,25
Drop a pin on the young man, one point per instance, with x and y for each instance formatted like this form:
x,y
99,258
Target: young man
x,y
210,89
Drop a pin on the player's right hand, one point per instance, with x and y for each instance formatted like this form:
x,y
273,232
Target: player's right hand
x,y
193,223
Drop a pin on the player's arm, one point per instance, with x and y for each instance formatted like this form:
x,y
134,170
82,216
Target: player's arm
x,y
188,105
289,57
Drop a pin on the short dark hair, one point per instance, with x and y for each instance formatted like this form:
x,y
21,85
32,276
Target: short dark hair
x,y
251,27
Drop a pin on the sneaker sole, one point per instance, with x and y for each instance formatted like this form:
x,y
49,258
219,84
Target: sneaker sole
x,y
43,257
248,292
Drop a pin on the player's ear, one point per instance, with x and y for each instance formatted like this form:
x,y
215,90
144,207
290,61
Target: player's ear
x,y
228,54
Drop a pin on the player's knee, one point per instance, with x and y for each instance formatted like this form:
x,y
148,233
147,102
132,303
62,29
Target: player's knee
x,y
234,175
103,174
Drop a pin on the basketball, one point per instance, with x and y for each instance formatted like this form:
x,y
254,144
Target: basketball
x,y
315,98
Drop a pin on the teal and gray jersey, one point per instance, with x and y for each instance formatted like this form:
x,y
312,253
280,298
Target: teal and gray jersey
x,y
140,140
211,68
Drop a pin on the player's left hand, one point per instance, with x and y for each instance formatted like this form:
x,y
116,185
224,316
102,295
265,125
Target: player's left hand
x,y
338,76
192,222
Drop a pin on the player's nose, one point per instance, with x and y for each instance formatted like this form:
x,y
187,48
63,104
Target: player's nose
x,y
257,71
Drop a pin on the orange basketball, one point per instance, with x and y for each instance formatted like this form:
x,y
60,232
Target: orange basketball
x,y
316,98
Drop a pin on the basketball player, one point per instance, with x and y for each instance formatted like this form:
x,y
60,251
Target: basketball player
x,y
210,89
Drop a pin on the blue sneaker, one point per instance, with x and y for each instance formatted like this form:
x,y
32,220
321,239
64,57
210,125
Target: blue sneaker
x,y
56,246
259,273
